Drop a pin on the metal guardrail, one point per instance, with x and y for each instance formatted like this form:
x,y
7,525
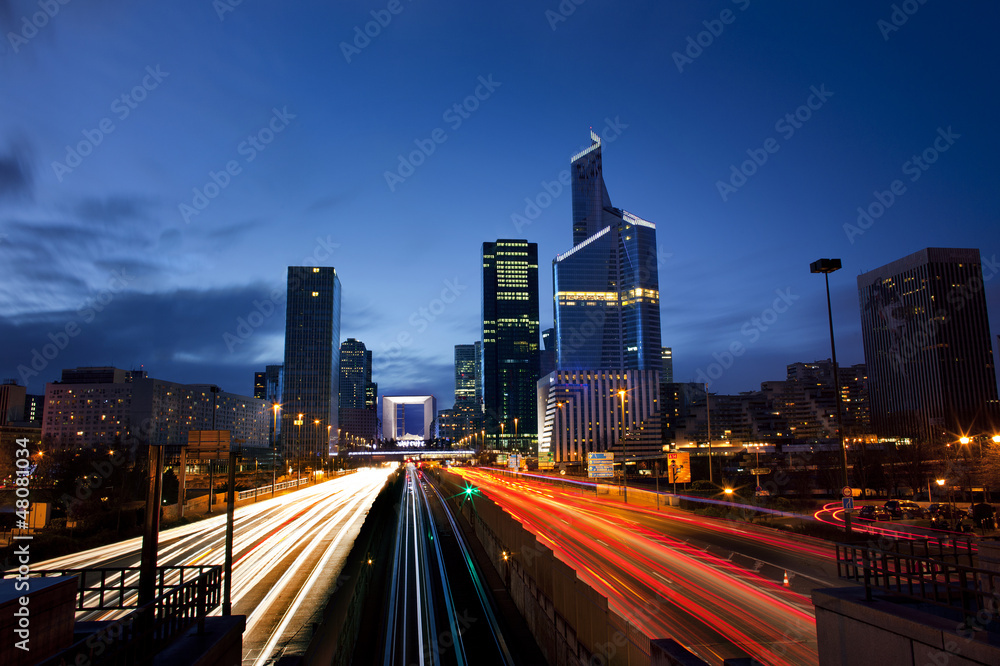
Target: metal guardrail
x,y
924,579
113,589
144,632
262,490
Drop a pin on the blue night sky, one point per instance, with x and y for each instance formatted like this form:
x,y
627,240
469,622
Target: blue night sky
x,y
113,114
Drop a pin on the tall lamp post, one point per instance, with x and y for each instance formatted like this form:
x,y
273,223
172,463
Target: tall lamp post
x,y
621,397
298,452
827,266
274,449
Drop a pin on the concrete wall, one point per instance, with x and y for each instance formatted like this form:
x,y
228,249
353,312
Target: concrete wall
x,y
853,631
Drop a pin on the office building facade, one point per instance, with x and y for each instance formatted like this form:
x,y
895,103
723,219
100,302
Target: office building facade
x,y
510,354
108,408
925,328
358,394
311,374
607,298
583,411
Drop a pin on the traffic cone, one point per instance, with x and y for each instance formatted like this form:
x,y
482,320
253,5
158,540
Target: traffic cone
x,y
786,583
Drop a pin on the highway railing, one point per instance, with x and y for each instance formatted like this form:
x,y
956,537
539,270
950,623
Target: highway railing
x,y
112,589
930,580
144,632
278,487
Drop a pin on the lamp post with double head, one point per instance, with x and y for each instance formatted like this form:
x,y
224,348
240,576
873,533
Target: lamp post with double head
x,y
827,266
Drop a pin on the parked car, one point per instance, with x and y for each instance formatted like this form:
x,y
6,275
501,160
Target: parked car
x,y
940,512
874,512
904,509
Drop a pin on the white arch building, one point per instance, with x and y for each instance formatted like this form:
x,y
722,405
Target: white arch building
x,y
394,419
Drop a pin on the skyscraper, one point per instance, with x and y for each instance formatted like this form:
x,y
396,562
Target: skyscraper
x,y
510,340
607,324
355,373
357,392
465,373
312,363
260,385
607,294
927,346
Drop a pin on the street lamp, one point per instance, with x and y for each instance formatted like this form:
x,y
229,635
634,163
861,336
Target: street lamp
x,y
621,397
298,450
827,266
516,442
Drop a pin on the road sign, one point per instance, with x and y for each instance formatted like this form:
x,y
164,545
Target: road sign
x,y
208,444
760,470
546,460
848,504
601,465
760,492
679,467
848,491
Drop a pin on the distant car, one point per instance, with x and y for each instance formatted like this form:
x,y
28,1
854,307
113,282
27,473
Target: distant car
x,y
874,512
940,512
904,509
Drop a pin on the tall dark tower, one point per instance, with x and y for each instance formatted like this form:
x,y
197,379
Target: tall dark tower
x,y
358,393
312,364
607,293
510,341
355,373
927,346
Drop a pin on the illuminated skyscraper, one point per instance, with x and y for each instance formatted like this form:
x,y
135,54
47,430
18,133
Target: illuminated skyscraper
x,y
927,345
607,294
510,341
312,363
358,417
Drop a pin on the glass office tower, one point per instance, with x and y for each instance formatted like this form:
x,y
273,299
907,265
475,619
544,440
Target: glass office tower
x,y
928,347
510,342
312,364
607,294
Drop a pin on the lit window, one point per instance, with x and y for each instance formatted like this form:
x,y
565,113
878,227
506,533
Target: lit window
x,y
315,293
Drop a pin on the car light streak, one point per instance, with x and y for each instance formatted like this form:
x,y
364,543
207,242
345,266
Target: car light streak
x,y
662,585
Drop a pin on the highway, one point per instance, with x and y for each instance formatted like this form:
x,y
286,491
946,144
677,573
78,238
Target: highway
x,y
438,611
287,553
666,573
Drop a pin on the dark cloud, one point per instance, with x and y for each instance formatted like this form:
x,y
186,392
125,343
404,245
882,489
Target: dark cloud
x,y
16,180
231,233
112,210
177,336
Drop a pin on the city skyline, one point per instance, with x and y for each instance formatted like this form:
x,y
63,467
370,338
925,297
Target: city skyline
x,y
213,162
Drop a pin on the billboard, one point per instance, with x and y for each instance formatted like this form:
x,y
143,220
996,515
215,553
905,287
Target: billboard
x,y
679,467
